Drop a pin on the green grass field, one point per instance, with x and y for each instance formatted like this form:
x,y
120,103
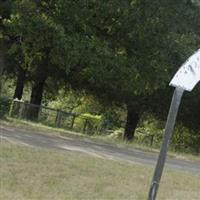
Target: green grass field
x,y
28,174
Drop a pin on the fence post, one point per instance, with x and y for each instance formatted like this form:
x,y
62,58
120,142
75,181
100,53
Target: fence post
x,y
25,110
151,142
21,109
58,118
85,125
72,123
39,114
11,108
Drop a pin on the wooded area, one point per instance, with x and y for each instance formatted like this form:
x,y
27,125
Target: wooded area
x,y
112,57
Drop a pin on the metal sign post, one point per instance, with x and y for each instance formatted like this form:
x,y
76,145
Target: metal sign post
x,y
185,79
166,140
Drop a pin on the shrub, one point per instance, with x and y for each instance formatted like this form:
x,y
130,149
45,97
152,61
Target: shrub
x,y
4,106
150,132
185,140
88,123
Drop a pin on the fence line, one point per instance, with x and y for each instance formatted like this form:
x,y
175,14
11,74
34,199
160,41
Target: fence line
x,y
56,117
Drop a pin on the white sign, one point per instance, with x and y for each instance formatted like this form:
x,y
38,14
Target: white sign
x,y
189,73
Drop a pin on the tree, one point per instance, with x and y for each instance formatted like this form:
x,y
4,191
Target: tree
x,y
120,51
138,53
43,45
5,12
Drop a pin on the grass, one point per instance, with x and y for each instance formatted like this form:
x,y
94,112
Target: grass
x,y
29,174
31,126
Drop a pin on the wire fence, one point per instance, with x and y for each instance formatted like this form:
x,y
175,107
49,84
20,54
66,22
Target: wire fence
x,y
52,117
62,119
4,106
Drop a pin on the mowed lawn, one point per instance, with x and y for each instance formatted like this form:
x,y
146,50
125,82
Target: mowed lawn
x,y
30,173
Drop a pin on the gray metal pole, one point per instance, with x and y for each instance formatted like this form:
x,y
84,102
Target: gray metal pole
x,y
176,100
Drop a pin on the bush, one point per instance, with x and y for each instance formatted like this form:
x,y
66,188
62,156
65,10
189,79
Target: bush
x,y
88,123
116,134
186,140
4,106
183,139
150,132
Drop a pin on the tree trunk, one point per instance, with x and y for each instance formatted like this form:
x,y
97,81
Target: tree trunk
x,y
37,92
133,117
20,84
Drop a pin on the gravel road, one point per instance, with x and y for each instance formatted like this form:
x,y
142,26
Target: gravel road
x,y
42,140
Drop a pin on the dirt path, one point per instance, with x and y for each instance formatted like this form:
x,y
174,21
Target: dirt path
x,y
41,140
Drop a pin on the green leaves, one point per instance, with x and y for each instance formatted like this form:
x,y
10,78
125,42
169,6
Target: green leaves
x,y
38,36
124,48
